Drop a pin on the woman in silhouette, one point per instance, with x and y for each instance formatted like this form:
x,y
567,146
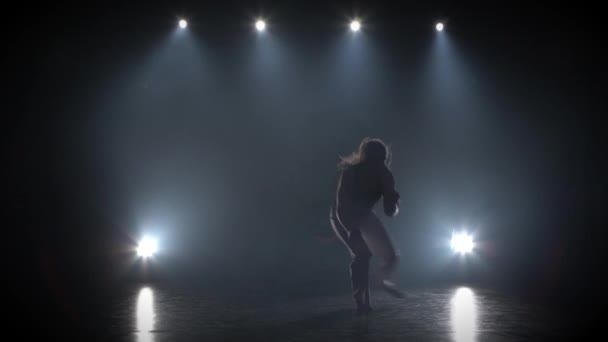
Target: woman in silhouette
x,y
365,178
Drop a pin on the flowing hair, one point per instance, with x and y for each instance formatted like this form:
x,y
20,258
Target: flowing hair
x,y
370,149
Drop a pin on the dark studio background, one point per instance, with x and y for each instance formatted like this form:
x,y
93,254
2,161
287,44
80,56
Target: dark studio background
x,y
223,143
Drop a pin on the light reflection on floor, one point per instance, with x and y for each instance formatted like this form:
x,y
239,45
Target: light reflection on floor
x,y
463,315
157,314
145,316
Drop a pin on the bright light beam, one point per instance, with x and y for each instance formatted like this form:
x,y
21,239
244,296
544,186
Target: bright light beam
x,y
462,243
260,25
146,248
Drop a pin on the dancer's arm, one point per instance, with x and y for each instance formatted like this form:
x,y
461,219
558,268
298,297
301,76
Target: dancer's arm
x,y
344,196
390,195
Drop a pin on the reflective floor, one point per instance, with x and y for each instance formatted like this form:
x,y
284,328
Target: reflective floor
x,y
453,314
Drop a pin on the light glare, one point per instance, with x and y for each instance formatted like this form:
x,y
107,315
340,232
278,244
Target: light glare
x,y
260,25
439,27
462,243
146,248
183,23
355,25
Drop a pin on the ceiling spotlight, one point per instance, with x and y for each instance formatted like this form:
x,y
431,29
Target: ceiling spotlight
x,y
355,25
183,23
260,25
439,27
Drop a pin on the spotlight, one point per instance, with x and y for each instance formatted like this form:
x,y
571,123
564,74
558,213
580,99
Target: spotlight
x,y
462,243
183,23
146,248
355,25
260,25
439,27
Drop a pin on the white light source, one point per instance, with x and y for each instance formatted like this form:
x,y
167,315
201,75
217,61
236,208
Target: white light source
x,y
183,23
260,25
462,243
439,27
355,25
146,248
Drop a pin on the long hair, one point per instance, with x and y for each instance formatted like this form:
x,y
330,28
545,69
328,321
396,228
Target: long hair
x,y
370,149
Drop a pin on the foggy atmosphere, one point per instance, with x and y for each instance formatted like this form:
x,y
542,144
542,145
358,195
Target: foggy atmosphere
x,y
305,171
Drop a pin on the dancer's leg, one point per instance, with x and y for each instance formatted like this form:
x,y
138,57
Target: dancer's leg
x,y
380,245
359,267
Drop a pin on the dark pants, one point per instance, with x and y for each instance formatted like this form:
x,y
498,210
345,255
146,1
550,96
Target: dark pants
x,y
363,238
